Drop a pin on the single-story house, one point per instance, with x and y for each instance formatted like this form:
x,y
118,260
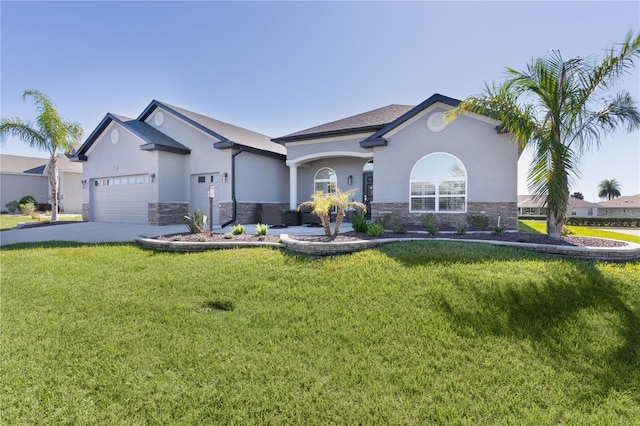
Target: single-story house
x,y
407,160
157,167
20,176
627,206
530,206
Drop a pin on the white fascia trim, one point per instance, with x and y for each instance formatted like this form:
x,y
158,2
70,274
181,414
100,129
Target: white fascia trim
x,y
327,154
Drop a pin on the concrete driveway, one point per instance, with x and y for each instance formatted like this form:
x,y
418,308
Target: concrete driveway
x,y
102,232
86,232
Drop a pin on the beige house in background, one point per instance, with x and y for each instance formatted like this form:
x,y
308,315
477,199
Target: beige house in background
x,y
20,176
627,206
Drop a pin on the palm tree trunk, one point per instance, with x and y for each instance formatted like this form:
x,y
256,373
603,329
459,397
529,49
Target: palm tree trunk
x,y
326,224
338,222
554,226
53,185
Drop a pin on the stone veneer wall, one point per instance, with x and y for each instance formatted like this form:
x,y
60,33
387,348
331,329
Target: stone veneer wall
x,y
167,213
245,213
508,213
85,212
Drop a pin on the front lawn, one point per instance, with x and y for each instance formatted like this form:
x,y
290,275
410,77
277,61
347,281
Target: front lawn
x,y
540,227
9,221
410,333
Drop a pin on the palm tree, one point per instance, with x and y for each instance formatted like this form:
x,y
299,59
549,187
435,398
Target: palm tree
x,y
609,189
323,203
560,108
49,133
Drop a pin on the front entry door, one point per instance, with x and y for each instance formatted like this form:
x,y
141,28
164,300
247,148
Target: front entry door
x,y
367,194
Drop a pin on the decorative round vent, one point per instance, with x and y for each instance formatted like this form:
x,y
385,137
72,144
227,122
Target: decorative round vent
x,y
436,122
159,119
115,136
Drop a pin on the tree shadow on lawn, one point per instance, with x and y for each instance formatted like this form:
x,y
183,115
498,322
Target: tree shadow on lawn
x,y
58,244
556,315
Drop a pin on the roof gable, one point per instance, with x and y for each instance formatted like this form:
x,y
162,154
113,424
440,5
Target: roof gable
x,y
155,140
377,139
228,135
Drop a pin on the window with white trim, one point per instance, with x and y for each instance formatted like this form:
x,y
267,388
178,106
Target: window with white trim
x,y
438,184
325,180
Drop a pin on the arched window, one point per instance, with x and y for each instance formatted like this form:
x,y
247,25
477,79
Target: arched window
x,y
325,180
439,184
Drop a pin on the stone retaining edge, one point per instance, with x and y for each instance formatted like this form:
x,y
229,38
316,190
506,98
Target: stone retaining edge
x,y
630,252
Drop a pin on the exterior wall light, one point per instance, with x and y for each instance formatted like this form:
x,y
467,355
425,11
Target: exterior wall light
x,y
350,180
84,183
152,176
225,176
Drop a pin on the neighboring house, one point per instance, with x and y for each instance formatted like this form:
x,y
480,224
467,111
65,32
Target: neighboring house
x,y
20,176
529,206
407,160
628,206
158,167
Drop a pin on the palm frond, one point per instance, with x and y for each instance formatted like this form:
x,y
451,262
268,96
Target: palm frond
x,y
22,130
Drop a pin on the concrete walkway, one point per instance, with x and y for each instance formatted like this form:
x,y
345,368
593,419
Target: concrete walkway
x,y
101,232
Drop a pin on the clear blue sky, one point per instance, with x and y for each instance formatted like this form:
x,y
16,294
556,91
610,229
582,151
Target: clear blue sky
x,y
280,67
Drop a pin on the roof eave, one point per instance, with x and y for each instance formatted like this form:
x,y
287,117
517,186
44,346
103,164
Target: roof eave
x,y
234,145
332,133
372,143
165,148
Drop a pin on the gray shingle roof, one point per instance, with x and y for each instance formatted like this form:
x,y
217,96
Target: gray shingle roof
x,y
20,164
154,138
228,132
365,122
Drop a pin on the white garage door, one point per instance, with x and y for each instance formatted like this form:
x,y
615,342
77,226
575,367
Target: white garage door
x,y
120,199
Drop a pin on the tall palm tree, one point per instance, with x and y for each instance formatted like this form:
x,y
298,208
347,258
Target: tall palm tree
x,y
609,189
560,108
49,133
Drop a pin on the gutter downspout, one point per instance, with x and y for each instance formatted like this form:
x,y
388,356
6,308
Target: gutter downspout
x,y
233,188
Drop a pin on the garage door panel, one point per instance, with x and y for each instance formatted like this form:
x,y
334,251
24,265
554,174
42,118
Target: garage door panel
x,y
126,203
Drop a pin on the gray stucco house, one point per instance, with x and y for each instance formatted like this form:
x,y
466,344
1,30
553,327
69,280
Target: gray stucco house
x,y
402,159
156,168
407,160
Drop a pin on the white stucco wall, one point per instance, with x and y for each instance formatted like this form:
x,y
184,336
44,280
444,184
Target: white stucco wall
x,y
71,191
170,179
301,152
14,186
261,179
203,160
490,159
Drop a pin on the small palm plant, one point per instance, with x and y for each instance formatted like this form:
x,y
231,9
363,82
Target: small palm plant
x,y
322,203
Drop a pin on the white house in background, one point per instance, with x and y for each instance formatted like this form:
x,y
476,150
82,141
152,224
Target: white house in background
x,y
20,176
628,206
406,160
529,206
158,167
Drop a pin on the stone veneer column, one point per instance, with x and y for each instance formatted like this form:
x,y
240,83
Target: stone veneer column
x,y
167,213
85,212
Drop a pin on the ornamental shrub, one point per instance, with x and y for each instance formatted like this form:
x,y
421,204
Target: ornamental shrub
x,y
194,222
375,230
238,230
359,223
429,222
28,199
262,229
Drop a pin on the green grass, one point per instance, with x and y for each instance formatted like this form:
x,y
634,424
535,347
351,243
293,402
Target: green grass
x,y
11,221
411,333
539,227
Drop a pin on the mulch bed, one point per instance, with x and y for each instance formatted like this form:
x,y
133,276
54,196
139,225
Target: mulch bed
x,y
520,237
